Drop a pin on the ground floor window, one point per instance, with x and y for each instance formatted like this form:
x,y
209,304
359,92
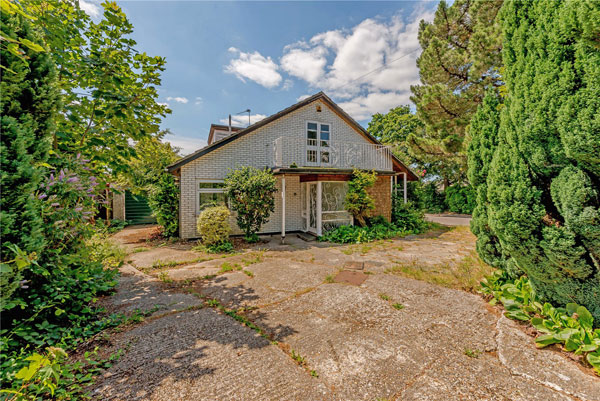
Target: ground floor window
x,y
323,205
210,193
333,213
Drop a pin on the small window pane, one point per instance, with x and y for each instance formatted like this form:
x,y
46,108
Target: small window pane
x,y
312,126
311,156
311,134
325,127
324,157
209,199
205,185
325,136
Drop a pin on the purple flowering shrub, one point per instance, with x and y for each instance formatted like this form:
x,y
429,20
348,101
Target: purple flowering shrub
x,y
55,301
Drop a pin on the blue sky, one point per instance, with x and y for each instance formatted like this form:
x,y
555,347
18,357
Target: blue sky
x,y
225,57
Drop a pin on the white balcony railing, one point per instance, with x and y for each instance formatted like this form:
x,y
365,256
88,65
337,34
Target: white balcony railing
x,y
301,152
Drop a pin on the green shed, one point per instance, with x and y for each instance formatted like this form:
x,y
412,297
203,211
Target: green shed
x,y
137,209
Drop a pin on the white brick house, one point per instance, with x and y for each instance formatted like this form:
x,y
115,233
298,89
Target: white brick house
x,y
311,147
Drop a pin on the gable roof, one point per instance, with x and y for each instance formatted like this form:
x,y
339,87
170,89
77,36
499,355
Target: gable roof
x,y
399,166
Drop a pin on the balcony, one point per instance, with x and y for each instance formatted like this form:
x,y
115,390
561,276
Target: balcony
x,y
302,152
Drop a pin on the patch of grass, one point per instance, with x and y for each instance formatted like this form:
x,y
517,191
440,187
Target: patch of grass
x,y
348,251
208,277
398,306
329,279
248,273
227,267
465,275
314,373
164,277
384,297
368,272
253,257
140,249
472,353
298,358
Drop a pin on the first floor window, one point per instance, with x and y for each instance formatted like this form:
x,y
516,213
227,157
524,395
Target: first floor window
x,y
211,193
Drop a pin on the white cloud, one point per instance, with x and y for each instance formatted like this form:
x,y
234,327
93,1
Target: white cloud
x,y
306,64
183,100
242,120
301,98
363,107
255,67
186,144
198,101
287,85
90,8
369,67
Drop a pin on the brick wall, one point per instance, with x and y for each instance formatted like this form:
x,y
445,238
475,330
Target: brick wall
x,y
381,193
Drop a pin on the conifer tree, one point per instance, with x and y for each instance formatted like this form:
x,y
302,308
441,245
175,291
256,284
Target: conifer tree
x,y
460,60
544,179
28,101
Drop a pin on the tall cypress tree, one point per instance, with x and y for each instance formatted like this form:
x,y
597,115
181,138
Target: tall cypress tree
x,y
28,100
543,183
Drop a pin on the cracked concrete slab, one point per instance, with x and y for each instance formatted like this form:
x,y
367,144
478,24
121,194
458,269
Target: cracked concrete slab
x,y
391,337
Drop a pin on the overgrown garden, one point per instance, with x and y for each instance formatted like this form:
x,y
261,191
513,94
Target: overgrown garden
x,y
76,97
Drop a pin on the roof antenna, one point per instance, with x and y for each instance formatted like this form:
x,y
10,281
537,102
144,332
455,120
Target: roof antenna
x,y
246,111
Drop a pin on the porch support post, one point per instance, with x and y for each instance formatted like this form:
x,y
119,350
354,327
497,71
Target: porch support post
x,y
405,194
282,208
319,209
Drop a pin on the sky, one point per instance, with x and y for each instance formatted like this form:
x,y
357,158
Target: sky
x,y
226,57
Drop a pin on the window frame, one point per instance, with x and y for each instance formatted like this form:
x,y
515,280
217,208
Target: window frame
x,y
208,191
318,147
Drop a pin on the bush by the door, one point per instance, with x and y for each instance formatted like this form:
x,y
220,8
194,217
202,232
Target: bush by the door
x,y
358,202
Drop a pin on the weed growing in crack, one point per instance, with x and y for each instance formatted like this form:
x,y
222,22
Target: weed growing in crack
x,y
472,353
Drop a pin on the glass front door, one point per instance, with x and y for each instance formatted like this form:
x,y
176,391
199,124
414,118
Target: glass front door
x,y
312,207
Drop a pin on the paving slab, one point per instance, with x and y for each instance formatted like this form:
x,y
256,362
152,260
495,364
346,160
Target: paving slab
x,y
140,292
204,355
441,344
148,259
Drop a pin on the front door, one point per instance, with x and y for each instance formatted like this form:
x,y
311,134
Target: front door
x,y
312,207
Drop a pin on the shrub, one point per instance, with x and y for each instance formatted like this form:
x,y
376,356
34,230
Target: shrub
x,y
542,200
251,195
378,229
405,216
164,201
213,225
434,201
358,202
460,198
572,326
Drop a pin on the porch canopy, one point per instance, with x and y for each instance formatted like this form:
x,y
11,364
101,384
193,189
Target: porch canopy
x,y
322,194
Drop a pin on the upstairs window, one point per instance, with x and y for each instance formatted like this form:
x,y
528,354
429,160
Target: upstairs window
x,y
318,138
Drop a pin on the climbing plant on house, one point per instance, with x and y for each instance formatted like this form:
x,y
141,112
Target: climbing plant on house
x,y
250,193
358,202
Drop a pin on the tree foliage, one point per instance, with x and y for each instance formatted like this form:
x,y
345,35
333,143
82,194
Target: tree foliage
x,y
541,213
28,102
358,202
250,193
163,198
460,59
393,128
152,156
108,87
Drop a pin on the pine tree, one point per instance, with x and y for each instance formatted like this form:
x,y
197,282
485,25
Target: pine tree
x,y
28,100
460,60
543,183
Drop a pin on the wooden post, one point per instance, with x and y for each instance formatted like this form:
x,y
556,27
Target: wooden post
x,y
282,209
319,209
405,194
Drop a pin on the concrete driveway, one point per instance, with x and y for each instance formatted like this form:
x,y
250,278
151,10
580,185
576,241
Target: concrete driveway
x,y
304,321
449,219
